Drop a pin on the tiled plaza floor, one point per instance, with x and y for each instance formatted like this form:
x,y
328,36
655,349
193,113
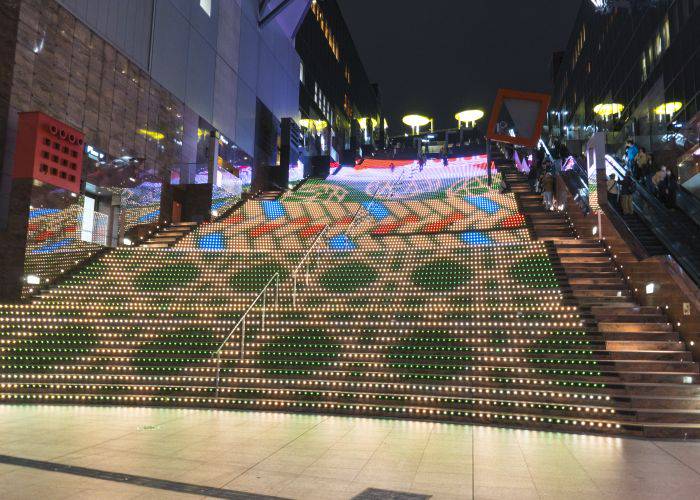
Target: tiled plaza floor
x,y
308,457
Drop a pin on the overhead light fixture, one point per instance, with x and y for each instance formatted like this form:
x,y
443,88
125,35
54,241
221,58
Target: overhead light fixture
x,y
416,122
317,125
469,116
668,108
363,123
608,109
151,134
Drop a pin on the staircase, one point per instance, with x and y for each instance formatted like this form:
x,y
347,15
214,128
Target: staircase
x,y
653,363
170,235
490,325
269,195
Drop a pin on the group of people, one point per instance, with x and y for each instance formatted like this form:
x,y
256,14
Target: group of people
x,y
541,179
661,182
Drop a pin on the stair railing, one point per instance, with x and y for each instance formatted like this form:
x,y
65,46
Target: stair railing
x,y
359,212
305,263
241,323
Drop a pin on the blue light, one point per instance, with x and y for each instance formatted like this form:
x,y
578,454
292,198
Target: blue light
x,y
341,242
38,212
218,204
376,210
150,216
52,247
273,209
476,238
483,203
212,241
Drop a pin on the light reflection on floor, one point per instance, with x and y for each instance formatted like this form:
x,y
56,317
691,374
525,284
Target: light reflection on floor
x,y
305,457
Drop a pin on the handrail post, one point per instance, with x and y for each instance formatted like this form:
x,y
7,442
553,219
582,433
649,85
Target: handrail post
x,y
243,338
294,291
264,307
218,371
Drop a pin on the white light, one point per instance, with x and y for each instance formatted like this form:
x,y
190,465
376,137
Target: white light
x,y
687,380
32,279
595,230
650,288
206,6
127,242
215,213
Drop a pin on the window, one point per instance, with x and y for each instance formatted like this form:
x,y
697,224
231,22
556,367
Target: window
x,y
326,29
206,6
652,55
579,46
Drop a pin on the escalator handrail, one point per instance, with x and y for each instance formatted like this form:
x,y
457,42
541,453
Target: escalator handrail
x,y
688,203
652,200
674,237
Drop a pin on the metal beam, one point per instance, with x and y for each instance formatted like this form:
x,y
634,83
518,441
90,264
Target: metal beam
x,y
273,13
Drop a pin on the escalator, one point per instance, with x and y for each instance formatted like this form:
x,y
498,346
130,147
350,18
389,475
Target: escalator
x,y
674,228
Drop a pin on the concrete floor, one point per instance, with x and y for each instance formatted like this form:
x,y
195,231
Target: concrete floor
x,y
309,457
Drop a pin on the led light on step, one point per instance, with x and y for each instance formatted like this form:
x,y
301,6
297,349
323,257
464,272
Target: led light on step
x,y
650,288
32,279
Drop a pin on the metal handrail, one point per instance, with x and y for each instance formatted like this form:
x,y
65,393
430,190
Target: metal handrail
x,y
373,199
241,323
680,241
303,260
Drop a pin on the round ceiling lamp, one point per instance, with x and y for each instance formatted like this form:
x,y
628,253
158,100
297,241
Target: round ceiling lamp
x,y
469,116
668,108
416,122
608,109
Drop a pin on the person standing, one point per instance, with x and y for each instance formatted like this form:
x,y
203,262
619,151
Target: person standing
x,y
626,192
643,161
631,152
658,181
548,190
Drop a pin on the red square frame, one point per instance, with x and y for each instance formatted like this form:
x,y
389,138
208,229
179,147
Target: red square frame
x,y
503,94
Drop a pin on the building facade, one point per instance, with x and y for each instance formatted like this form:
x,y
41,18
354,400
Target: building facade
x,y
633,71
340,107
178,103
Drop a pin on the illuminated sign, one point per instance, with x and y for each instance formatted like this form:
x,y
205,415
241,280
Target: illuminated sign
x,y
94,154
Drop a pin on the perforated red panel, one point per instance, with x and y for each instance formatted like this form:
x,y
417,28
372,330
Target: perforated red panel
x,y
49,151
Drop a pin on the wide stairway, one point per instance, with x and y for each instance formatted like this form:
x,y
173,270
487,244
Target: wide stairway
x,y
425,295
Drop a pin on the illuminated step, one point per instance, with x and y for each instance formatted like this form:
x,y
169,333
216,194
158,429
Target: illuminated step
x,y
521,418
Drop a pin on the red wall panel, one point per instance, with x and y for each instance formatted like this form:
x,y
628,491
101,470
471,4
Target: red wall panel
x,y
49,151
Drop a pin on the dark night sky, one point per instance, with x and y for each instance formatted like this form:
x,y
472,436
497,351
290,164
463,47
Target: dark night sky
x,y
437,57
